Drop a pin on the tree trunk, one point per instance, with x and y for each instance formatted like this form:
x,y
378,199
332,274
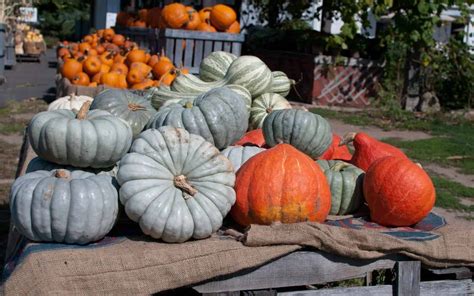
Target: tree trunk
x,y
411,86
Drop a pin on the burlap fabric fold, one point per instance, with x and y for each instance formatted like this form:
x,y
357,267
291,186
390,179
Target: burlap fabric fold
x,y
454,246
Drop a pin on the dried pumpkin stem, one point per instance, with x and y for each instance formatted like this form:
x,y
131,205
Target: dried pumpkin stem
x,y
63,174
182,183
135,107
83,111
269,110
348,138
188,105
339,166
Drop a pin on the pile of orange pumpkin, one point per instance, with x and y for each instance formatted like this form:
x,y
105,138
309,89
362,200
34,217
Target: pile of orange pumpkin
x,y
218,18
110,59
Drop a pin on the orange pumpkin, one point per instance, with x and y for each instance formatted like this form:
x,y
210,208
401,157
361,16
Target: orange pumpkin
x,y
252,138
71,68
143,85
168,77
109,34
205,27
222,17
84,46
119,59
63,51
205,14
234,28
120,68
139,24
163,66
135,76
143,14
153,60
122,81
92,65
92,52
142,67
194,19
118,39
100,49
280,184
335,151
398,192
110,47
81,78
104,68
88,39
110,79
136,55
107,58
97,78
175,15
100,33
93,84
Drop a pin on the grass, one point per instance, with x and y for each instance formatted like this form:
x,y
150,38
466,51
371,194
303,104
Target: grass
x,y
449,194
11,121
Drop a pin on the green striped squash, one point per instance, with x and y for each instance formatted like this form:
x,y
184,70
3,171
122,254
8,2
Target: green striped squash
x,y
264,105
345,181
214,66
281,83
306,131
247,71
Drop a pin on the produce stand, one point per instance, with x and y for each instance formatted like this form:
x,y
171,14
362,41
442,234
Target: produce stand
x,y
265,258
185,48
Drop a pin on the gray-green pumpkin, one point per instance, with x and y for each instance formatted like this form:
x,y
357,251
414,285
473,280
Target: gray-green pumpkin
x,y
264,105
306,131
39,164
87,139
176,185
215,65
132,108
238,155
219,116
345,181
67,207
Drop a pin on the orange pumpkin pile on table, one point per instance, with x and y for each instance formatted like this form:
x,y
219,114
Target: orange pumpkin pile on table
x,y
110,59
217,18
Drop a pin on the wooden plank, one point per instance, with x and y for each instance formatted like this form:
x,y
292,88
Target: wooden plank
x,y
434,288
227,46
304,267
459,273
178,52
217,46
188,53
169,48
207,48
187,34
198,53
407,281
236,48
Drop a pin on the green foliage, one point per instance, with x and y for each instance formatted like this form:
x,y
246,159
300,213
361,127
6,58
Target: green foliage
x,y
449,194
58,17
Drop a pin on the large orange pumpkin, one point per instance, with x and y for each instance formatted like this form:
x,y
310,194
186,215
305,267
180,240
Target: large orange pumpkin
x,y
175,15
71,68
398,192
194,19
91,65
136,55
280,184
222,17
252,138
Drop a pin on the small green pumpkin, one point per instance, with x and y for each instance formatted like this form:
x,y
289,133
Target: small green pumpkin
x,y
345,181
215,65
306,131
264,105
87,139
130,107
219,116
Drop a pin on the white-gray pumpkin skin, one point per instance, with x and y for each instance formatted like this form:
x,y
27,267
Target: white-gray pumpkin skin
x,y
264,105
97,141
124,104
77,210
215,65
219,116
238,155
345,181
39,164
306,131
149,194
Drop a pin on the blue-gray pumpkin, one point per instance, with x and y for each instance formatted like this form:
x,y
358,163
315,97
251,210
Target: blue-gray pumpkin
x,y
87,139
345,182
220,116
306,131
61,206
39,164
124,104
176,185
238,155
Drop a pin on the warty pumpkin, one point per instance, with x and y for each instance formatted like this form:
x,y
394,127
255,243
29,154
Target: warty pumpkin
x,y
398,192
280,184
175,185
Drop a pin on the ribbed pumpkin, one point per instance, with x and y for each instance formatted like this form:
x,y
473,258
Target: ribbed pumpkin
x,y
176,185
71,102
175,15
308,132
219,116
398,192
238,155
87,139
345,182
264,105
215,65
247,71
222,16
335,151
280,184
281,84
252,138
135,110
39,164
61,206
71,68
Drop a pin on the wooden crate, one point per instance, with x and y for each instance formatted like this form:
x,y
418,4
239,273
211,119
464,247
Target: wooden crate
x,y
188,48
145,37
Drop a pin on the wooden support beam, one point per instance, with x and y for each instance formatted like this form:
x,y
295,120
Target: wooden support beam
x,y
407,282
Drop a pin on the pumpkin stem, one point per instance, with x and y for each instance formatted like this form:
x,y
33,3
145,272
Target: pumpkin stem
x,y
339,166
83,111
135,107
63,174
348,138
188,105
72,97
269,109
182,183
419,164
